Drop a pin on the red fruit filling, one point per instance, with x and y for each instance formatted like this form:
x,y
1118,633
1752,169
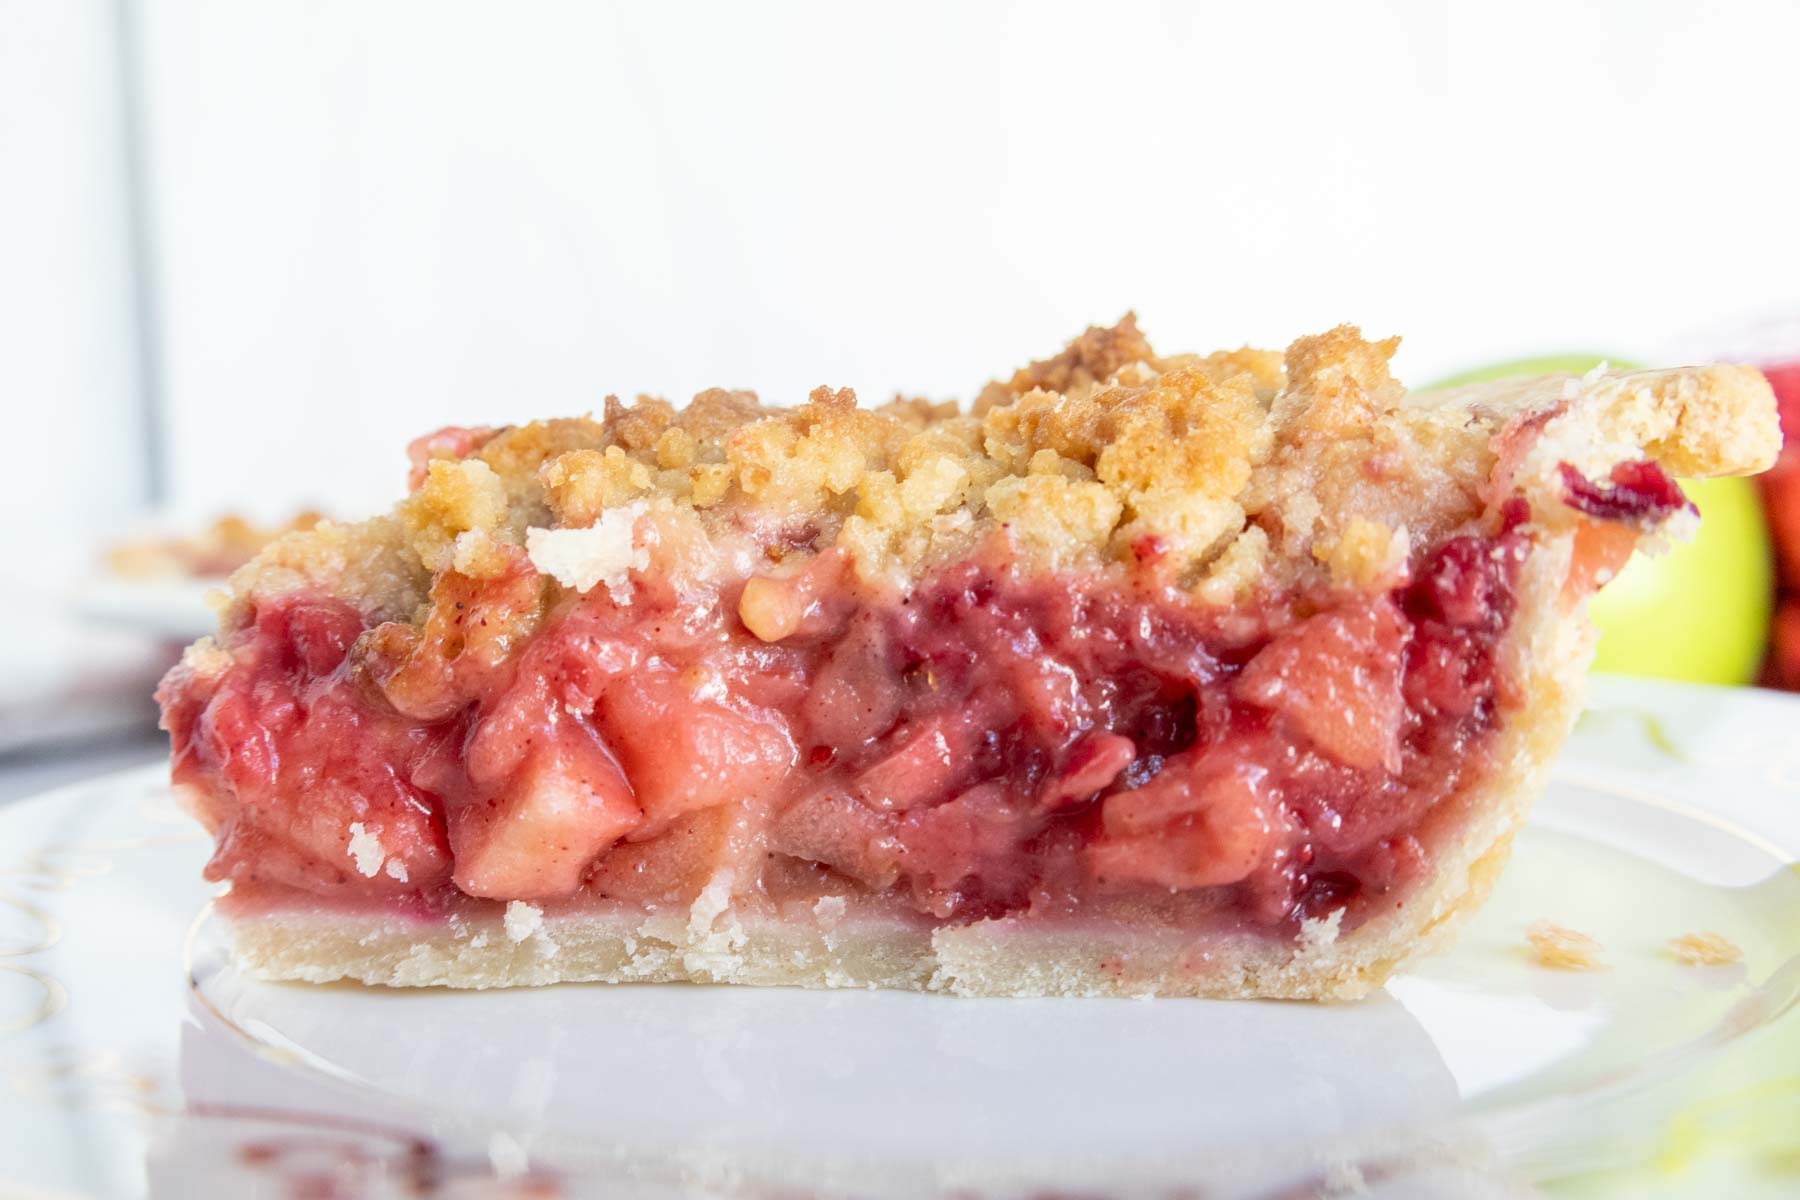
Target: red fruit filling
x,y
1639,492
992,743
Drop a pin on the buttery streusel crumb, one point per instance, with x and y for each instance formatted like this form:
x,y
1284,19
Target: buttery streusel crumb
x,y
1218,474
1563,949
1704,949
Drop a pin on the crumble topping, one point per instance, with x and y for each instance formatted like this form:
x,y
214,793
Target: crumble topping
x,y
1563,949
584,558
1366,555
829,911
1216,473
371,857
522,920
1704,949
366,849
1318,934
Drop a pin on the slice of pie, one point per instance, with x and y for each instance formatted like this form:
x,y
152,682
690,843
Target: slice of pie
x,y
1226,675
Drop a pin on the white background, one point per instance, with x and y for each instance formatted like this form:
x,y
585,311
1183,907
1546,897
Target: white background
x,y
72,432
369,219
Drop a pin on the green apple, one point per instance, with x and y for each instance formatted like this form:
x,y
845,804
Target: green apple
x,y
1548,364
1699,611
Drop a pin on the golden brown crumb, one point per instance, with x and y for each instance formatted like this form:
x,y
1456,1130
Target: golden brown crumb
x,y
1563,949
1092,358
1704,949
1219,474
1095,453
1365,555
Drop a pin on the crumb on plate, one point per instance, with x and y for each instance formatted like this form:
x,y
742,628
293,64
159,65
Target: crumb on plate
x,y
1563,949
1704,949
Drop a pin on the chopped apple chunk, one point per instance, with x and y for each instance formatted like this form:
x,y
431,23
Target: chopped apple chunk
x,y
567,804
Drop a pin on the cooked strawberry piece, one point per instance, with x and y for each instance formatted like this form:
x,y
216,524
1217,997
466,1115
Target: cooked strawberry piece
x,y
1344,809
1336,678
585,654
1047,691
535,837
337,836
240,731
1639,492
1448,672
964,854
1467,583
249,852
322,634
1461,600
308,768
928,760
1092,765
857,693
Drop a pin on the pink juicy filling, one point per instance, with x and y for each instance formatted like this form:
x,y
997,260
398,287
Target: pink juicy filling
x,y
993,743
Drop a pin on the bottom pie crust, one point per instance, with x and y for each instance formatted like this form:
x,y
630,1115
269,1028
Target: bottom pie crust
x,y
1545,652
994,958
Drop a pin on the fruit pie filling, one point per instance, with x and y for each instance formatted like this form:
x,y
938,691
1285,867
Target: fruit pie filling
x,y
993,742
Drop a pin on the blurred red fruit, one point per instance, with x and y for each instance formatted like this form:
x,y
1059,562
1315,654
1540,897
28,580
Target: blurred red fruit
x,y
1783,668
1781,496
1781,486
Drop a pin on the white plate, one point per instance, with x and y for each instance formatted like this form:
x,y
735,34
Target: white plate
x,y
134,1059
